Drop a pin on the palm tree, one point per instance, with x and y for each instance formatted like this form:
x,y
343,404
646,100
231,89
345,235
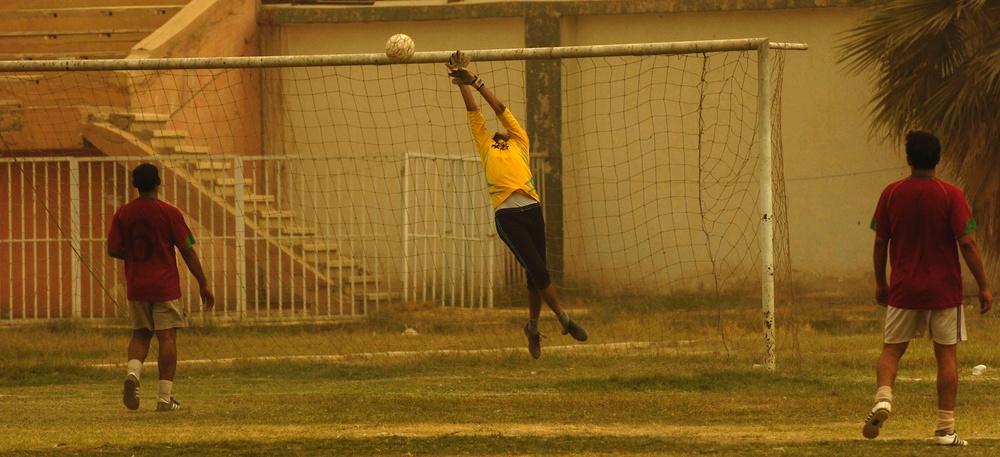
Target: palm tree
x,y
935,65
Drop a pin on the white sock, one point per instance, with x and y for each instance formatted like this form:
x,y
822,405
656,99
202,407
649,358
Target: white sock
x,y
946,421
165,388
134,367
884,393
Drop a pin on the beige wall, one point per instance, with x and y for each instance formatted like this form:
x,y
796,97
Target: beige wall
x,y
357,158
348,38
833,173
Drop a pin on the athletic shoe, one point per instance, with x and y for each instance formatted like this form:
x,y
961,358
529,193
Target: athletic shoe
x,y
130,392
171,405
574,330
534,340
873,424
942,438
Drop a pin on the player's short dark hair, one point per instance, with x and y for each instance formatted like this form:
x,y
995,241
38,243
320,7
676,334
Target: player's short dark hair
x,y
923,150
145,177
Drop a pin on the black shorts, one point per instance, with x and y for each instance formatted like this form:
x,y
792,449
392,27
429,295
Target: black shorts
x,y
523,231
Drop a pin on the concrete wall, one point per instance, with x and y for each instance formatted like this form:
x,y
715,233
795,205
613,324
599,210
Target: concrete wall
x,y
833,172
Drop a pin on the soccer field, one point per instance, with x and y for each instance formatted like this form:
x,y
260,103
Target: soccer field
x,y
56,397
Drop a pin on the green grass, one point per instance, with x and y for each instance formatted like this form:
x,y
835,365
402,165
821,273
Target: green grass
x,y
57,398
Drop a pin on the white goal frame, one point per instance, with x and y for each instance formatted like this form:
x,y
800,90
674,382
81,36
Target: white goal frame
x,y
762,46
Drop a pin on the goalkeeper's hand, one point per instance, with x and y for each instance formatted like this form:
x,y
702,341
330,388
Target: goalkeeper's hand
x,y
463,76
458,60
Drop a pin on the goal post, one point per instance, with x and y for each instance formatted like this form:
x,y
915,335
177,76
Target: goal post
x,y
766,236
353,193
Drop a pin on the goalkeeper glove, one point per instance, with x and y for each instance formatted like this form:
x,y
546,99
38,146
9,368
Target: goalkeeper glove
x,y
464,76
458,60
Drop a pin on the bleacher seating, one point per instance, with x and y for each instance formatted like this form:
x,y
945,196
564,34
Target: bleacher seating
x,y
79,29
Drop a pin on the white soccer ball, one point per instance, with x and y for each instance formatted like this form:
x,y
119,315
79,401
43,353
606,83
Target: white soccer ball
x,y
399,47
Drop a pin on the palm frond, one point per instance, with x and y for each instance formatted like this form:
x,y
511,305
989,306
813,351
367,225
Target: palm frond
x,y
935,65
895,28
988,59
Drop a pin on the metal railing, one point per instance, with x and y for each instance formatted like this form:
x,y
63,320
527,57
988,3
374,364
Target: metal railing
x,y
272,248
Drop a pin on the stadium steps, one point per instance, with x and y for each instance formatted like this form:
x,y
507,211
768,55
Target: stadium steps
x,y
161,139
363,288
345,273
79,29
286,245
102,88
11,116
266,253
33,128
91,109
70,30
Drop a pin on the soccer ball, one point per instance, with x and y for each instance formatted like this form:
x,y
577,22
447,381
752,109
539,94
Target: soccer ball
x,y
399,47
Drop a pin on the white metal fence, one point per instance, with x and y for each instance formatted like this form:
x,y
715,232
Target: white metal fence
x,y
273,245
453,255
269,254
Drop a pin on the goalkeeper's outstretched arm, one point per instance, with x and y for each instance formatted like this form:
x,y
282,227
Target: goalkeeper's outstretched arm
x,y
494,102
467,80
470,101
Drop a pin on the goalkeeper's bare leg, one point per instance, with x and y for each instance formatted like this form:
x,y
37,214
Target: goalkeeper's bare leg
x,y
570,327
531,328
551,298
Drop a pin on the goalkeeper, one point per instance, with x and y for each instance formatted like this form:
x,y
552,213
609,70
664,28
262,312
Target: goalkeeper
x,y
518,213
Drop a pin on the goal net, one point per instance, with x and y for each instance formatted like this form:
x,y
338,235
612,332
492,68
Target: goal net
x,y
343,195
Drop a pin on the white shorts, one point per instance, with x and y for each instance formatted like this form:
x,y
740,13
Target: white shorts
x,y
157,315
944,326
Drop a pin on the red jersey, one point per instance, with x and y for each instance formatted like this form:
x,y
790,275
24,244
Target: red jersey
x,y
147,230
922,217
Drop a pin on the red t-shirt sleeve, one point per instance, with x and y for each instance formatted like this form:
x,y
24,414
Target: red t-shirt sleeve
x,y
880,222
181,234
961,215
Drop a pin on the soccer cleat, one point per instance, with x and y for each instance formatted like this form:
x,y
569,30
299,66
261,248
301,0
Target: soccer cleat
x,y
534,340
171,405
878,416
942,438
130,392
574,330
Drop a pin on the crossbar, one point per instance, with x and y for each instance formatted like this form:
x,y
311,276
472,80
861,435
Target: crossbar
x,y
557,52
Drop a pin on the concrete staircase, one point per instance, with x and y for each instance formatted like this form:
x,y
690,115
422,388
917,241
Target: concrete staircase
x,y
95,110
323,280
68,30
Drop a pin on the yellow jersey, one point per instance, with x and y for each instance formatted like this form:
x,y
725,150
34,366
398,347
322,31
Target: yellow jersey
x,y
507,170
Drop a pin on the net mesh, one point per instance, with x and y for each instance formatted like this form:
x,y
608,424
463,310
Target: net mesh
x,y
350,203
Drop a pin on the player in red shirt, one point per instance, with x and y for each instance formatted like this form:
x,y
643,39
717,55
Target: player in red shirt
x,y
921,224
144,234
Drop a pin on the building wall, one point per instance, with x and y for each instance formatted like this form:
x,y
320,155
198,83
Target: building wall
x,y
833,172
